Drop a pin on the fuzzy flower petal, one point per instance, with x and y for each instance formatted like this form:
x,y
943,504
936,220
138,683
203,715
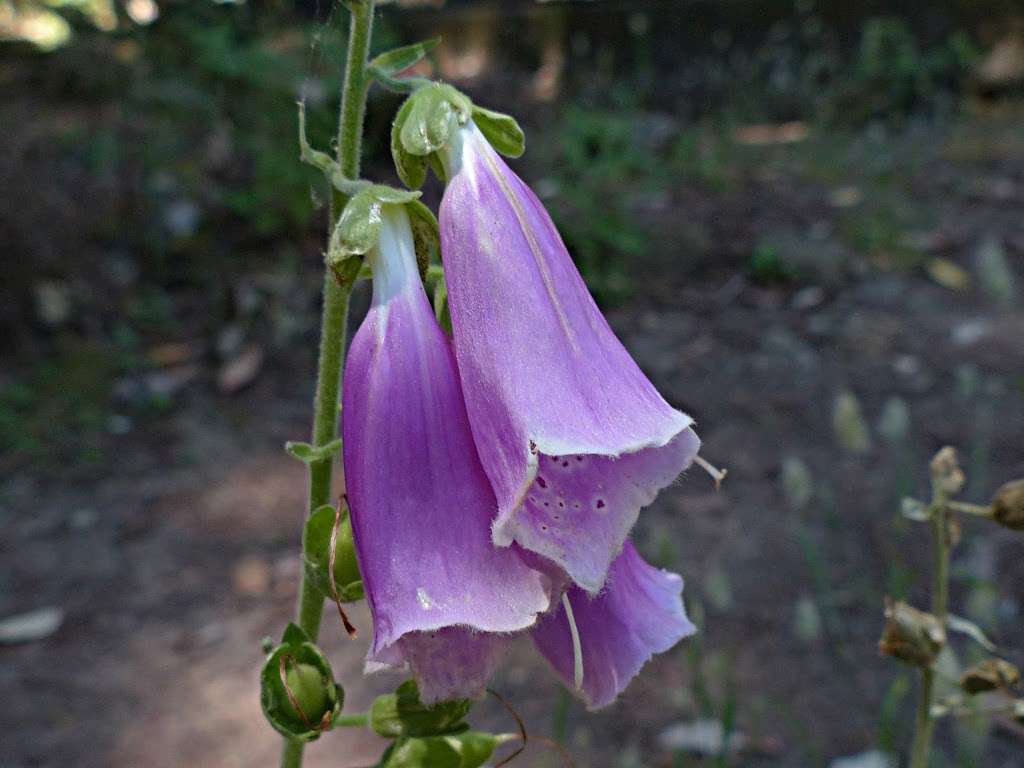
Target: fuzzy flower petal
x,y
453,663
639,613
573,436
421,504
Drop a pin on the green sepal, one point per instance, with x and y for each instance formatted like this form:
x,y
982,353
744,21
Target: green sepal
x,y
400,59
311,683
293,635
469,749
438,168
307,453
358,227
426,235
412,169
316,555
403,714
441,311
501,130
426,126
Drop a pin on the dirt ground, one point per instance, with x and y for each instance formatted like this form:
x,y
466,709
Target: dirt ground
x,y
175,562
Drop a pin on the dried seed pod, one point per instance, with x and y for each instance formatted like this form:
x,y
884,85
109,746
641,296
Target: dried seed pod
x,y
910,635
989,675
1008,505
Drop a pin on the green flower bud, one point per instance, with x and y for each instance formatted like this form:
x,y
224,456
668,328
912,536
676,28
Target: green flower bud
x,y
1008,505
297,690
989,675
403,714
308,687
316,549
910,635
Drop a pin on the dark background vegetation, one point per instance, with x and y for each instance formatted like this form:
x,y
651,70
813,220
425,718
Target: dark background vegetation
x,y
804,218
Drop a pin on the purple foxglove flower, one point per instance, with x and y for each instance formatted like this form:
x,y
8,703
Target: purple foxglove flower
x,y
421,504
573,436
638,613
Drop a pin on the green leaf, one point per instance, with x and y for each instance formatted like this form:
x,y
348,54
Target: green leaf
x,y
412,169
316,555
400,59
307,453
398,84
501,130
470,749
403,714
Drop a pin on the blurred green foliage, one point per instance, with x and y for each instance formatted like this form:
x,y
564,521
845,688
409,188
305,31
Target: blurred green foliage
x,y
601,160
893,75
59,411
166,152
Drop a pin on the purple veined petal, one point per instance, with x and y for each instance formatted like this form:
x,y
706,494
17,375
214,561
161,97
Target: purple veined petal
x,y
573,436
421,504
638,614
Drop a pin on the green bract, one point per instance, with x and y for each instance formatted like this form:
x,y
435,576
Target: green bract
x,y
307,453
468,749
400,59
403,714
316,555
311,701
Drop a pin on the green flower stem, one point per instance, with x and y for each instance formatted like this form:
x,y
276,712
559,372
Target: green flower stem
x,y
924,726
361,720
335,313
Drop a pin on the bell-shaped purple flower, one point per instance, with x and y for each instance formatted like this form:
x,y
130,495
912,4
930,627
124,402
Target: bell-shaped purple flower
x,y
573,436
442,596
637,614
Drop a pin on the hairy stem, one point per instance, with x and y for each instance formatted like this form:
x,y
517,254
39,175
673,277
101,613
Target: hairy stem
x,y
335,313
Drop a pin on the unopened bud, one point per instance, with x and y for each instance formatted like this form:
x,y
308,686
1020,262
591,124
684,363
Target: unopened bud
x,y
989,675
297,689
910,635
946,472
1008,505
